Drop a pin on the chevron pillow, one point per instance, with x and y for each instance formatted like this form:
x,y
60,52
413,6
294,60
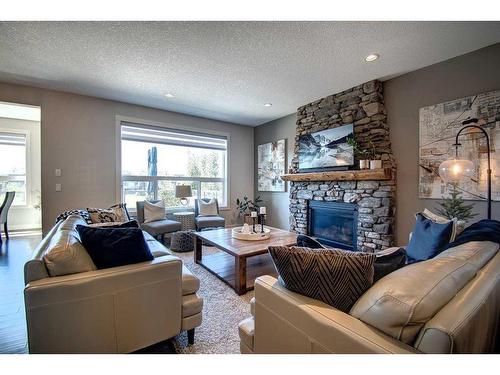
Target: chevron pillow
x,y
336,277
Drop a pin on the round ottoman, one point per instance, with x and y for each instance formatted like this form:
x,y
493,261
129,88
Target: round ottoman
x,y
182,241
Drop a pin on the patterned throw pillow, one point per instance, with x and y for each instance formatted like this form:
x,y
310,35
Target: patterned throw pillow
x,y
336,277
121,211
101,215
83,213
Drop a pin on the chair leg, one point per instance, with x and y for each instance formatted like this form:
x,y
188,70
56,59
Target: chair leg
x,y
190,336
5,230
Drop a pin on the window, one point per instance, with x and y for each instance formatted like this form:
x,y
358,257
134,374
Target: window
x,y
13,166
154,160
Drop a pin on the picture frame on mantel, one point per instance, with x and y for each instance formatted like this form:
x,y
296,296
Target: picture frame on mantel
x,y
271,164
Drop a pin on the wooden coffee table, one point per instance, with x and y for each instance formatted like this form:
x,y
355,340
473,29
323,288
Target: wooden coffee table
x,y
236,276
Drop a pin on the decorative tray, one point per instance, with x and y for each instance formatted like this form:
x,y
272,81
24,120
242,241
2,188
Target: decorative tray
x,y
239,234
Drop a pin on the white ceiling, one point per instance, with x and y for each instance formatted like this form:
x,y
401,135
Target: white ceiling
x,y
226,70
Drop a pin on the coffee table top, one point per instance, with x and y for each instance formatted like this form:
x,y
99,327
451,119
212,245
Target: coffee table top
x,y
222,239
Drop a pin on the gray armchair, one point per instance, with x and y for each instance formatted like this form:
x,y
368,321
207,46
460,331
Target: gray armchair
x,y
206,222
159,228
4,211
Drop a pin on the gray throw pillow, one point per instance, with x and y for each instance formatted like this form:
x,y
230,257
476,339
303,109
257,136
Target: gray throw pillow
x,y
336,277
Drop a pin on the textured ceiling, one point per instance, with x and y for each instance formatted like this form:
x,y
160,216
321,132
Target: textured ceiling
x,y
225,70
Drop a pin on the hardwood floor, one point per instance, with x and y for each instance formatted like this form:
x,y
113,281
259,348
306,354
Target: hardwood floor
x,y
14,253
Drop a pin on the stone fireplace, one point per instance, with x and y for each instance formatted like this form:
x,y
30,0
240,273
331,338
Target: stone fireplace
x,y
372,200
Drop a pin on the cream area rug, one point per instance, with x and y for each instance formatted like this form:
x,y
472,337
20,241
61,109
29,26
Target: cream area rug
x,y
223,309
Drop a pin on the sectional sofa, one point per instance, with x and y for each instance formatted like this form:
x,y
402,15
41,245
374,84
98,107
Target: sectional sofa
x,y
114,310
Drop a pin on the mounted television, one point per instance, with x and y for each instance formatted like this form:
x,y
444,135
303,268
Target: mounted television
x,y
326,149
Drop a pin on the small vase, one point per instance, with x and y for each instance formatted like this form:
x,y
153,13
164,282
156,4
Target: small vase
x,y
364,164
375,164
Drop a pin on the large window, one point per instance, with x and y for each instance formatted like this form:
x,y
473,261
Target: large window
x,y
13,166
154,160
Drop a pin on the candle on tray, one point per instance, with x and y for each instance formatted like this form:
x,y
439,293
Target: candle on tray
x,y
262,211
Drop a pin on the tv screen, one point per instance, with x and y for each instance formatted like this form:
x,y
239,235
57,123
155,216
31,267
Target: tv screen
x,y
326,149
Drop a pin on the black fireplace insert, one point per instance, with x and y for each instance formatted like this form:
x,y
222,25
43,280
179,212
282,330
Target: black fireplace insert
x,y
334,224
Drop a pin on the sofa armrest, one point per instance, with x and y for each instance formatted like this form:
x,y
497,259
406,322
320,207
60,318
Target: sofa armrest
x,y
287,322
114,310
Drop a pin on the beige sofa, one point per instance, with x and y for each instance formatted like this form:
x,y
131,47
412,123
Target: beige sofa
x,y
450,304
114,310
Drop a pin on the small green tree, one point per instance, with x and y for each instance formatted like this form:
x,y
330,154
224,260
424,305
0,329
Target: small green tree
x,y
455,207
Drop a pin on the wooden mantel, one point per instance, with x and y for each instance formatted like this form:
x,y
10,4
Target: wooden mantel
x,y
353,175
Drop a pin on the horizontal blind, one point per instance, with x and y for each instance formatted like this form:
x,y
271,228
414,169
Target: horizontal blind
x,y
15,139
141,133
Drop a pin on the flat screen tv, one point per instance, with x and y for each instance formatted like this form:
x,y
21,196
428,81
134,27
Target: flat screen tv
x,y
326,149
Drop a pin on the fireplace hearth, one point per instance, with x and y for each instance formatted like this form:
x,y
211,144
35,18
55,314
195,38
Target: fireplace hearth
x,y
334,224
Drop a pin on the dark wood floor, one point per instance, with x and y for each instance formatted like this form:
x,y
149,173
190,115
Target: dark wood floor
x,y
14,253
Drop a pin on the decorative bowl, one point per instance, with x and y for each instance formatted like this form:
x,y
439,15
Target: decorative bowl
x,y
238,234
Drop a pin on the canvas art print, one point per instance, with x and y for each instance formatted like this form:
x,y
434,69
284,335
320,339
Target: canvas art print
x,y
439,125
326,149
271,166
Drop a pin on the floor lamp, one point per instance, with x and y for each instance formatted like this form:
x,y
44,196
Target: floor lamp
x,y
454,170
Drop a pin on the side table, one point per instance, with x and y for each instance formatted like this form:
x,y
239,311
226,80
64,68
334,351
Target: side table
x,y
186,218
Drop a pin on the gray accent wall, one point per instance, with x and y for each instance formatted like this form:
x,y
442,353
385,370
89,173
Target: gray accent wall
x,y
78,135
276,202
465,75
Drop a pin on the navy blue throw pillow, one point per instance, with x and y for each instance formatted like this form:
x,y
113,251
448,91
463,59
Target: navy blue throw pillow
x,y
428,239
113,247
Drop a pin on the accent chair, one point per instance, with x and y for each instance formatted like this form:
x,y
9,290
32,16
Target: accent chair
x,y
207,221
158,228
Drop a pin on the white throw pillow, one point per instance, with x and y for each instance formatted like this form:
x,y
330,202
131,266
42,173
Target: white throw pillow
x,y
207,208
154,211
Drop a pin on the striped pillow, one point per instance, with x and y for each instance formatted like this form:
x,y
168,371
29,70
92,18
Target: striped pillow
x,y
336,277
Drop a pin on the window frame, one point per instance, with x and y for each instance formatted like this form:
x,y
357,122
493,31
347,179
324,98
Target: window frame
x,y
27,146
148,124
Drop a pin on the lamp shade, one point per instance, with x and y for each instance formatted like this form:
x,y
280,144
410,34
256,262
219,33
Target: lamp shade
x,y
183,191
455,170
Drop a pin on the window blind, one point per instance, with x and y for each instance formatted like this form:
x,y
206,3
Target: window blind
x,y
15,139
141,133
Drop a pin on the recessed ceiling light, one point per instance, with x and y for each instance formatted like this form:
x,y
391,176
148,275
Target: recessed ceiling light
x,y
371,57
268,105
169,95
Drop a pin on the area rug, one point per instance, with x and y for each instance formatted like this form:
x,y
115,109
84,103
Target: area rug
x,y
223,309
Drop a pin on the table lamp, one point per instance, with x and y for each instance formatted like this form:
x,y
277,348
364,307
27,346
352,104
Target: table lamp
x,y
455,170
183,192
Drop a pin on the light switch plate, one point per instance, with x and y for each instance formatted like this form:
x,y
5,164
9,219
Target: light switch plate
x,y
58,172
58,187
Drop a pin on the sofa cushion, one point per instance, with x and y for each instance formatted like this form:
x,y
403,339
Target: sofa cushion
x,y
428,239
207,208
65,254
113,247
458,225
402,302
190,283
102,215
191,305
126,224
210,221
154,211
336,277
156,228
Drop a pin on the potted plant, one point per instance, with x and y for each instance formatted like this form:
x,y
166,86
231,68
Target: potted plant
x,y
365,156
246,206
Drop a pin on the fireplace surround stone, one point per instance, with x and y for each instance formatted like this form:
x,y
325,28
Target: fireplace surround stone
x,y
363,106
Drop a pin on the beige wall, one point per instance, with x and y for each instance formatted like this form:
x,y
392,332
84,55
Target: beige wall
x,y
465,75
78,136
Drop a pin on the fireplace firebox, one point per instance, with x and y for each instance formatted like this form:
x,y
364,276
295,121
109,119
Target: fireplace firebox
x,y
334,223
